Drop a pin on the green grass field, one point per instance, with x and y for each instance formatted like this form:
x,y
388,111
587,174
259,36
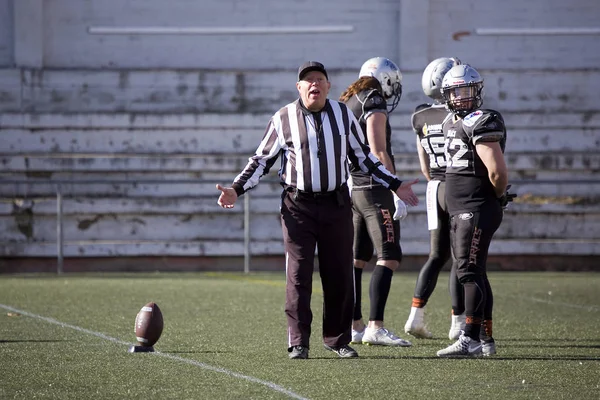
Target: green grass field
x,y
66,337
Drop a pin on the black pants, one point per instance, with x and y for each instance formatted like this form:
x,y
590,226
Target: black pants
x,y
325,223
470,235
439,254
374,225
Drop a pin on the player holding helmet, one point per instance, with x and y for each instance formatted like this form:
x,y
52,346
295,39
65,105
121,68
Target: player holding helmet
x,y
476,184
427,124
375,94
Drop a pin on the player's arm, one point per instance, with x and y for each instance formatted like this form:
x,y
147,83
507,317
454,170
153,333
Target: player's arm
x,y
492,157
423,159
376,135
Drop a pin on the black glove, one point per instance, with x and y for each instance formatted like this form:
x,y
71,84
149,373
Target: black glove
x,y
506,198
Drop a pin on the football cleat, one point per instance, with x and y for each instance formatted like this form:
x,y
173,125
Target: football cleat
x,y
298,352
415,325
463,347
344,351
488,347
383,337
357,336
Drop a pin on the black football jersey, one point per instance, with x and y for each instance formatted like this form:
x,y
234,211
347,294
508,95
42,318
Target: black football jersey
x,y
427,124
467,182
362,105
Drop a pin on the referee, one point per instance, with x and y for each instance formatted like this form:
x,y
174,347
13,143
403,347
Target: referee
x,y
316,138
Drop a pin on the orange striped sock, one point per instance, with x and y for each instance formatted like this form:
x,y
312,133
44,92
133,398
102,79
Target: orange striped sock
x,y
418,303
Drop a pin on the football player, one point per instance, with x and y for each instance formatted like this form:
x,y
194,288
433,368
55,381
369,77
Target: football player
x,y
427,124
476,184
376,212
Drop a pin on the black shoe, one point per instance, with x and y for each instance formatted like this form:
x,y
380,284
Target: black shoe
x,y
344,351
300,352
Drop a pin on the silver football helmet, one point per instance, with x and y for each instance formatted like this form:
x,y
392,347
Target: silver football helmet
x,y
389,76
431,82
462,89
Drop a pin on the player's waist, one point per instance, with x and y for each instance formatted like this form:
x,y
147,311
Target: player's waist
x,y
361,181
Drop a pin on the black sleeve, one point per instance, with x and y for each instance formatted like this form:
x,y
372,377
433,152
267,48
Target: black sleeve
x,y
416,120
372,102
485,126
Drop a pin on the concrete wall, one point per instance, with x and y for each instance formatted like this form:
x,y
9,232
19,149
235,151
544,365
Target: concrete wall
x,y
6,34
142,125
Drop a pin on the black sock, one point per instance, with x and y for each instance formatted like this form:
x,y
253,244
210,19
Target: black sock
x,y
357,293
475,304
489,300
381,281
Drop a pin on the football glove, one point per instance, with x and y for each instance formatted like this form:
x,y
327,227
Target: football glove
x,y
506,198
401,209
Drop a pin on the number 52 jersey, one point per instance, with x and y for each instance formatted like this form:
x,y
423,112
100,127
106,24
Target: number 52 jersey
x,y
467,182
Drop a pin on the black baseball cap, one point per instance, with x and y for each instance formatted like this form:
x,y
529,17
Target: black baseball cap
x,y
311,66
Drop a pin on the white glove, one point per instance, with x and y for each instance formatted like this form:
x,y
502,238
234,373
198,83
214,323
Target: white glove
x,y
401,209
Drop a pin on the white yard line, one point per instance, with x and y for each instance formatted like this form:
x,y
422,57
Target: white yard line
x,y
270,385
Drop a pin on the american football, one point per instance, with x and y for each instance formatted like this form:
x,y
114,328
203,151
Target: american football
x,y
148,325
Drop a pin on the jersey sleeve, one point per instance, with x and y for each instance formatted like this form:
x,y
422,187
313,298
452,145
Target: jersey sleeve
x,y
485,126
416,121
373,102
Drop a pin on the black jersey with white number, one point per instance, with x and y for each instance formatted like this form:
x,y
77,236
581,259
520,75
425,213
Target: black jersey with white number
x,y
362,105
427,124
467,183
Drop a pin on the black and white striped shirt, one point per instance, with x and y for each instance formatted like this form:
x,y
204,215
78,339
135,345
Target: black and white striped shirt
x,y
313,162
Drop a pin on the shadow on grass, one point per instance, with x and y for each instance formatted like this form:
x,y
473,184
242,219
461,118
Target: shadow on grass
x,y
546,340
492,358
32,341
552,343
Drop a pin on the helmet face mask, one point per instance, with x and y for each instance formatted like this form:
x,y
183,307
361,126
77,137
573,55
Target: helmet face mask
x,y
462,98
389,76
434,73
462,89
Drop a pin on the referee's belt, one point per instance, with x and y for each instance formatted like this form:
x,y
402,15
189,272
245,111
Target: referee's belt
x,y
315,195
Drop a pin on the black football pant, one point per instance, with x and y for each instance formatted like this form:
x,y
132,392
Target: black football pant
x,y
374,225
439,254
470,236
325,223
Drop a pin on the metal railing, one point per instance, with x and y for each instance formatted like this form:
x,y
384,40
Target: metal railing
x,y
60,242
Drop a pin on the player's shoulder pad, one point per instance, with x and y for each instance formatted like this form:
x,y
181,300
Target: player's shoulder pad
x,y
415,118
372,100
480,117
423,106
485,125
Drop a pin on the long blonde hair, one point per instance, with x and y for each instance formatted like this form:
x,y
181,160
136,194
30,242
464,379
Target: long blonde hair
x,y
362,83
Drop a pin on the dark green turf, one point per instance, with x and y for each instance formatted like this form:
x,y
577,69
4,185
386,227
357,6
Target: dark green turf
x,y
547,328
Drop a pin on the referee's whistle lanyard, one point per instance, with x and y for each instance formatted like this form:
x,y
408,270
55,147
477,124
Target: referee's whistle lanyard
x,y
317,125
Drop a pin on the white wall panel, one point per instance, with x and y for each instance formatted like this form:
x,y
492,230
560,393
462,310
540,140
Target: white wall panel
x,y
6,33
521,51
70,45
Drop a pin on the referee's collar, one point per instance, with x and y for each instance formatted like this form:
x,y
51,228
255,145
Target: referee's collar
x,y
306,111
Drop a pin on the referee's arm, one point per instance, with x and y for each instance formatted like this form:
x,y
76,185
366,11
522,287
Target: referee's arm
x,y
260,163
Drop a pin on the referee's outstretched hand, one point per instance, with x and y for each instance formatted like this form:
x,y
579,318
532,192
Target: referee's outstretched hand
x,y
228,196
406,193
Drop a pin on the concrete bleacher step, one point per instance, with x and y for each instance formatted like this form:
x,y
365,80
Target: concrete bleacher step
x,y
181,226
144,185
245,140
521,163
170,187
264,225
169,248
